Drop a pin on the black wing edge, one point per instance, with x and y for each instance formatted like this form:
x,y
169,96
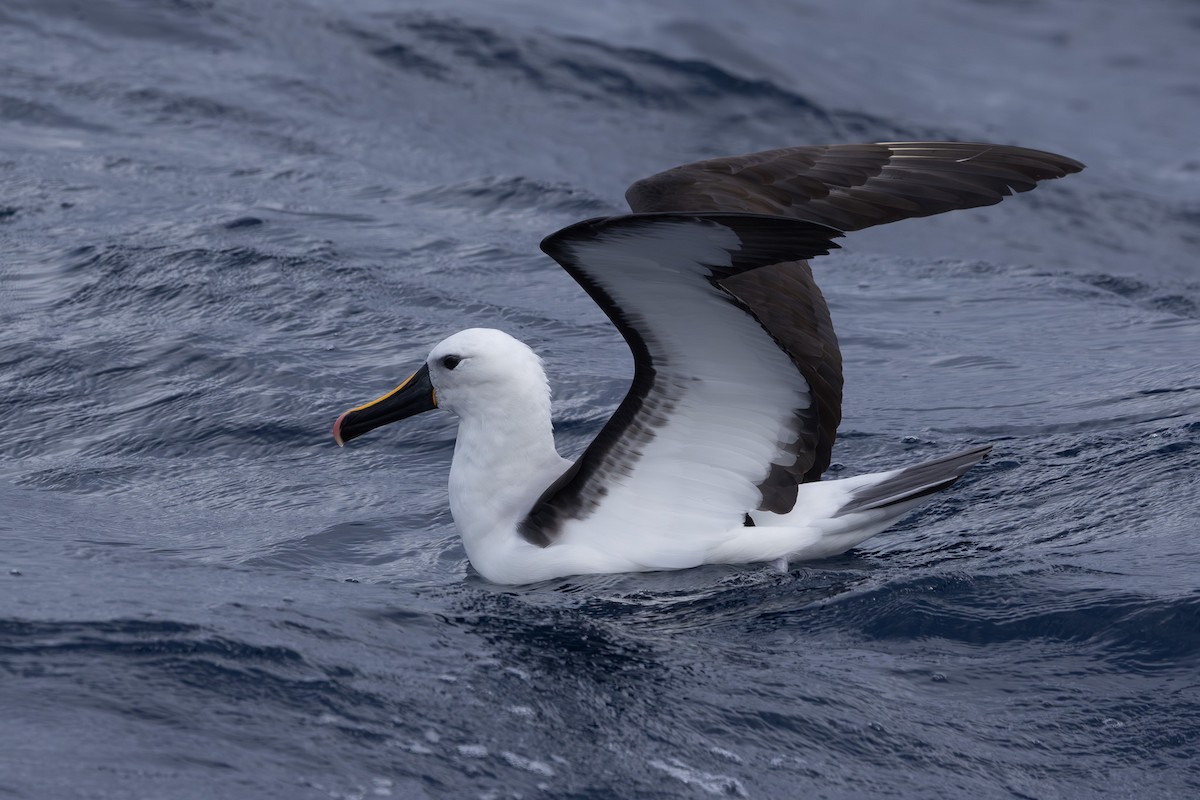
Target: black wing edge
x,y
765,238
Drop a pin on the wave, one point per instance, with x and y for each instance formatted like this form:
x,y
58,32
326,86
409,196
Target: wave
x,y
1130,631
447,49
493,194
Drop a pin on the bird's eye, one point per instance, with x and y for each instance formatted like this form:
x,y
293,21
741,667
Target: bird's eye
x,y
450,362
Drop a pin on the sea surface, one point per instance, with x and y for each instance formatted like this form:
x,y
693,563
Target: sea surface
x,y
223,222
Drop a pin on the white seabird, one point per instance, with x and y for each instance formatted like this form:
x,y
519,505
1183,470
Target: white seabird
x,y
716,453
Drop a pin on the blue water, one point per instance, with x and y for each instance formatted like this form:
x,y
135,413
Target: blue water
x,y
222,223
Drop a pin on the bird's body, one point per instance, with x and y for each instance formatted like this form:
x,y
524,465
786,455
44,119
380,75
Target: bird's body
x,y
716,452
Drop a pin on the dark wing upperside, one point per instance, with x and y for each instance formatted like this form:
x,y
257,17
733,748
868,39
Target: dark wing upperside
x,y
848,187
852,186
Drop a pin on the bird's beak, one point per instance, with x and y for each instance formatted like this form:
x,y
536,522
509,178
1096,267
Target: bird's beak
x,y
414,396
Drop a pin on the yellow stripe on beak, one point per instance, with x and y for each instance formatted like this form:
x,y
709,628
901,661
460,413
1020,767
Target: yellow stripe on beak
x,y
415,396
407,381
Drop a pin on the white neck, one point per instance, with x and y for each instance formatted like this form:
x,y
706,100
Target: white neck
x,y
503,460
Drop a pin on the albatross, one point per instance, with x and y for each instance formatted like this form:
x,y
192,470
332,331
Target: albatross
x,y
716,453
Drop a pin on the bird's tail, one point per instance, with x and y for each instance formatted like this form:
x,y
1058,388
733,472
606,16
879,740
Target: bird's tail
x,y
831,517
912,483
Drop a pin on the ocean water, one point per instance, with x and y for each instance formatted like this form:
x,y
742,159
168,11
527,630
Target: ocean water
x,y
222,223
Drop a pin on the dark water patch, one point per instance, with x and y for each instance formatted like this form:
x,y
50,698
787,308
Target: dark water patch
x,y
179,654
486,49
568,649
395,54
408,60
170,107
692,82
1120,285
1179,305
179,22
496,194
145,284
1171,390
594,71
1189,215
1141,633
27,112
188,682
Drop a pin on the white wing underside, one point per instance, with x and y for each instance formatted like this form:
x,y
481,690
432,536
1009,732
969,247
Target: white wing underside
x,y
720,413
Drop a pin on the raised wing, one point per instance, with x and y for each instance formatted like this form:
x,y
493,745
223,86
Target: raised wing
x,y
716,407
852,186
849,187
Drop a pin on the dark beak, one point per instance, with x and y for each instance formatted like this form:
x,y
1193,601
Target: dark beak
x,y
414,396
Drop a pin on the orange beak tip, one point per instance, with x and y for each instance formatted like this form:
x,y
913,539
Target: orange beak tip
x,y
337,429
